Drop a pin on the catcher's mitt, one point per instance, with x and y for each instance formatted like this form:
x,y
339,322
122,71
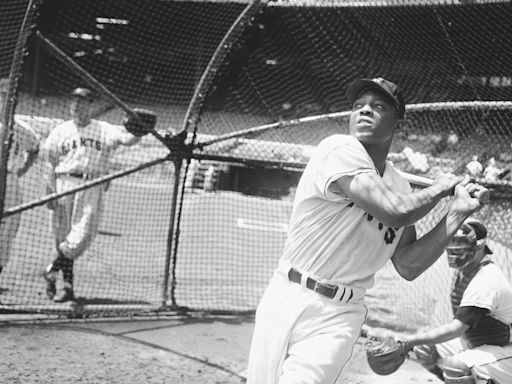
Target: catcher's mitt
x,y
385,356
141,124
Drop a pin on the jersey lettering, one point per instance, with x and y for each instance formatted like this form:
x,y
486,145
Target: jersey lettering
x,y
83,142
389,233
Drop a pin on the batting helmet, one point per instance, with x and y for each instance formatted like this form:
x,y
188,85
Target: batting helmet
x,y
464,248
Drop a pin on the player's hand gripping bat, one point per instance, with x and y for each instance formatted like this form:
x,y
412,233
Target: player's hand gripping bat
x,y
482,194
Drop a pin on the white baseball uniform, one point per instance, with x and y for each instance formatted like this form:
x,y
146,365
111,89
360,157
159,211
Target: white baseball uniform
x,y
24,140
491,290
302,336
77,154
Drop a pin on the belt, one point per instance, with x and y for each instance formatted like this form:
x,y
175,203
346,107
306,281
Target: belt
x,y
328,290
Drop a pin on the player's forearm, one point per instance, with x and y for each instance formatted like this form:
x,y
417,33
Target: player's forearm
x,y
49,177
413,259
393,209
411,207
438,335
129,140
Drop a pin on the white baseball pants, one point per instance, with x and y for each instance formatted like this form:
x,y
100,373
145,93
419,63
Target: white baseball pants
x,y
486,362
76,218
301,336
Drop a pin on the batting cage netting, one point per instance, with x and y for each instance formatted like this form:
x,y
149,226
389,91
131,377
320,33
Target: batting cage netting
x,y
194,215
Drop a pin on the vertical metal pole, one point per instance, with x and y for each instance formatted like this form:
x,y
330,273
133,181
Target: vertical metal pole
x,y
170,238
36,70
9,105
190,122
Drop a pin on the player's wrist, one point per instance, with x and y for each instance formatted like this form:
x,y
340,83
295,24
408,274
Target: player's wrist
x,y
406,345
433,193
441,191
455,217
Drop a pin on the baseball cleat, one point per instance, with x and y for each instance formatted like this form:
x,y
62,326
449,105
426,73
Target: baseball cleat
x,y
50,284
65,295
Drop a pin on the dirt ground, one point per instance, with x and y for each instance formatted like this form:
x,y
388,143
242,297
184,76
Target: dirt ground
x,y
174,349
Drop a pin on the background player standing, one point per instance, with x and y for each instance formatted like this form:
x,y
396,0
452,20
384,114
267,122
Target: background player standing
x,y
23,152
77,150
475,347
352,213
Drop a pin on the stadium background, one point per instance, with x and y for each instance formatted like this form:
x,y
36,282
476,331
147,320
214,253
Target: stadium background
x,y
242,80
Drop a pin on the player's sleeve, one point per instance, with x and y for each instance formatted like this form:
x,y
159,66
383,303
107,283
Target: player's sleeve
x,y
482,291
338,156
470,315
116,135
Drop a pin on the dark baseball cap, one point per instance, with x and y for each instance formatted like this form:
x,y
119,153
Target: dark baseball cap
x,y
389,88
84,93
470,232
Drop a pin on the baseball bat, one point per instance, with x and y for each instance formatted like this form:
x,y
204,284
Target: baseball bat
x,y
483,195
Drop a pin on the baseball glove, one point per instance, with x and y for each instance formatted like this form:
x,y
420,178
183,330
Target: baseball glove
x,y
385,356
141,123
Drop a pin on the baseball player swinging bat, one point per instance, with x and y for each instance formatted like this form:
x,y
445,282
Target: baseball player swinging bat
x,y
483,194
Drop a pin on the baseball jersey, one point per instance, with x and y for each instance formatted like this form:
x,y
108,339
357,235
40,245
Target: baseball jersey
x,y
329,236
86,149
489,289
24,140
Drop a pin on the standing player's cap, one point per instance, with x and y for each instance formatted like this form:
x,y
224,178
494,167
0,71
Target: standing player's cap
x,y
83,92
471,233
389,88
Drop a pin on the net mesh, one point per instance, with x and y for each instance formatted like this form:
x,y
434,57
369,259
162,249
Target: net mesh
x,y
199,221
